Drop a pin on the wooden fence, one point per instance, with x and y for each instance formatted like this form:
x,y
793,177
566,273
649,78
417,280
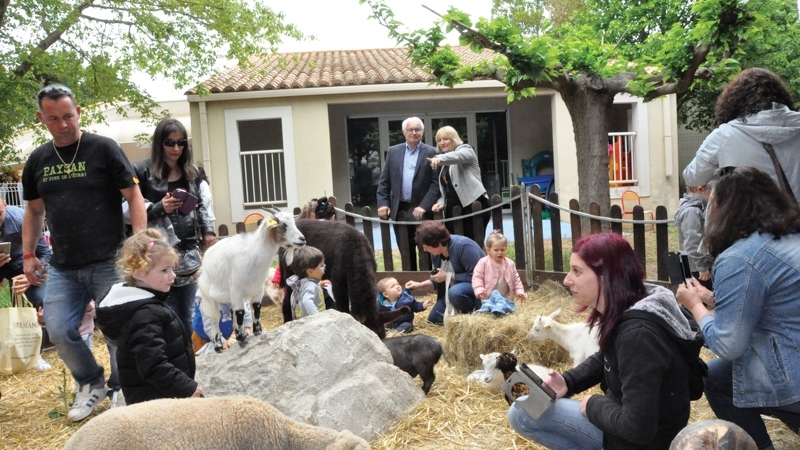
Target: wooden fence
x,y
528,237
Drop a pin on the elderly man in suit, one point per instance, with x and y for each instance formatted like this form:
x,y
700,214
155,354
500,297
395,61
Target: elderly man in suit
x,y
408,183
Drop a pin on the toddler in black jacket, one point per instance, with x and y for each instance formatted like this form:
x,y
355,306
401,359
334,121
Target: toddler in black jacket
x,y
154,348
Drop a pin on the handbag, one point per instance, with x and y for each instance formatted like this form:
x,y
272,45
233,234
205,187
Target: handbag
x,y
189,262
20,336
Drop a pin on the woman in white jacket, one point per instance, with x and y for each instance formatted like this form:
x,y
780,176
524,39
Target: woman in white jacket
x,y
459,181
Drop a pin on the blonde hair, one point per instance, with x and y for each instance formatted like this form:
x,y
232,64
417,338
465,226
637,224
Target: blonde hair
x,y
308,209
448,132
143,251
495,236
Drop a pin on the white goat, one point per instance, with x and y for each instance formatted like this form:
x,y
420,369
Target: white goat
x,y
575,338
492,377
236,268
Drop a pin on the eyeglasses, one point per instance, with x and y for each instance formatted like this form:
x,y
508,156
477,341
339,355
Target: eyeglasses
x,y
322,267
172,142
53,88
414,130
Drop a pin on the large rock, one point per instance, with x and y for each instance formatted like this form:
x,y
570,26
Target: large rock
x,y
326,370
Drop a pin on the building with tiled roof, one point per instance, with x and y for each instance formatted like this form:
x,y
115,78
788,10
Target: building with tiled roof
x,y
290,127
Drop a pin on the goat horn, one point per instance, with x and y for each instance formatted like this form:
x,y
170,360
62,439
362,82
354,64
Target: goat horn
x,y
271,209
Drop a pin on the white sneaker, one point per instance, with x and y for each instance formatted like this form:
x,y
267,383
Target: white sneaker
x,y
85,400
42,365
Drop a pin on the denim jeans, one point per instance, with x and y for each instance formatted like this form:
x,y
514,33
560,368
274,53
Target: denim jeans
x,y
718,386
181,301
461,296
560,427
68,293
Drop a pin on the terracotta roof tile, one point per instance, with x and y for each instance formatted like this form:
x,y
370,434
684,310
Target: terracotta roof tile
x,y
327,68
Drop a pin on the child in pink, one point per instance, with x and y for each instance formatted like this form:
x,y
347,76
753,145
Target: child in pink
x,y
496,272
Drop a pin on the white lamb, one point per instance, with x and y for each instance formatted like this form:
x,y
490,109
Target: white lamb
x,y
575,338
236,268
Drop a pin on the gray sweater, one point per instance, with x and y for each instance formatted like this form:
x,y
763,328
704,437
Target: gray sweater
x,y
738,144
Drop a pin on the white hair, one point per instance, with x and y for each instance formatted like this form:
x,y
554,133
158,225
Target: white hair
x,y
414,119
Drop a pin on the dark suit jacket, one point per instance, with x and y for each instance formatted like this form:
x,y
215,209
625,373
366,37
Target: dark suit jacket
x,y
424,187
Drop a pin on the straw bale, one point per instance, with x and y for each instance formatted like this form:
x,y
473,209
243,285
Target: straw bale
x,y
467,336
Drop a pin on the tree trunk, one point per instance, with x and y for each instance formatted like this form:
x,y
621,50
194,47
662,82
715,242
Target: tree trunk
x,y
590,110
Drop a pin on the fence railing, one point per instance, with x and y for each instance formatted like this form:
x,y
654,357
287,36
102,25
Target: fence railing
x,y
531,251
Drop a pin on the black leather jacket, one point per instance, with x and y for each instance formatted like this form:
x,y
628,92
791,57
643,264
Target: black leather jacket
x,y
154,190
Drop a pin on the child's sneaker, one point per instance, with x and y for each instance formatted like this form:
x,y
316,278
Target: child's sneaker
x,y
405,327
85,401
116,397
42,365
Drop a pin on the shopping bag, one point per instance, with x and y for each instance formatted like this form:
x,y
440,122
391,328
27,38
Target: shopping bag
x,y
20,336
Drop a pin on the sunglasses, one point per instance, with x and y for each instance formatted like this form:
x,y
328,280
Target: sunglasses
x,y
173,142
53,88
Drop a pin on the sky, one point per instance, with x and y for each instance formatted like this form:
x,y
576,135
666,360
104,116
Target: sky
x,y
341,25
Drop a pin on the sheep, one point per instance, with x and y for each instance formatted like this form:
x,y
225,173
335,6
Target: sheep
x,y
416,354
576,338
236,268
351,268
206,424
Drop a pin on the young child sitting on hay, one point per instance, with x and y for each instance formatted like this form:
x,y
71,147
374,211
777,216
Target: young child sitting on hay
x,y
392,296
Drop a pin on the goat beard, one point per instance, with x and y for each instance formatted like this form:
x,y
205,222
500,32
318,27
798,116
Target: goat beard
x,y
288,255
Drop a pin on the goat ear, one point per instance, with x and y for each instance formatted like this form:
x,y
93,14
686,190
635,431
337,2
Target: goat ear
x,y
555,313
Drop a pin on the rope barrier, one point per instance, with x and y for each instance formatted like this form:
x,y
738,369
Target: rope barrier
x,y
591,216
508,202
450,219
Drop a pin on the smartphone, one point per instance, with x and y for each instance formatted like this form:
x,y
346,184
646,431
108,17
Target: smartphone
x,y
435,271
5,247
189,201
677,267
538,381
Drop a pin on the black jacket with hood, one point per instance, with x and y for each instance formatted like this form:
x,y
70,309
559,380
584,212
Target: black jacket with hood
x,y
644,375
154,350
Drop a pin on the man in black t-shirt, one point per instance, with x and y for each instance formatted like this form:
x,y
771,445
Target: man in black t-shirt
x,y
79,179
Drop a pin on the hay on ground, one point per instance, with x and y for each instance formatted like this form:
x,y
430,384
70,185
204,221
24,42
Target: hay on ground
x,y
455,414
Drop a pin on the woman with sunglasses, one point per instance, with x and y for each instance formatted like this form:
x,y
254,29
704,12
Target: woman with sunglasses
x,y
753,231
170,167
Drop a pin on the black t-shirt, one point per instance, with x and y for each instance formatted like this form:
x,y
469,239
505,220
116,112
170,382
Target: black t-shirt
x,y
83,203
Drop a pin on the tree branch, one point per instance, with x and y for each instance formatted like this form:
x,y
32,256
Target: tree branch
x,y
3,10
700,54
51,38
115,22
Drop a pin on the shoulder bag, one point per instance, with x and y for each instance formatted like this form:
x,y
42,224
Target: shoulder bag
x,y
782,181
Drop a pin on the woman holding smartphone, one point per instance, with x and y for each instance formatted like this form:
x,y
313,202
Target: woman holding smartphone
x,y
162,178
640,368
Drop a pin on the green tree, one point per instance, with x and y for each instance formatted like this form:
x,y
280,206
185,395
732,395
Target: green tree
x,y
647,49
774,48
94,46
